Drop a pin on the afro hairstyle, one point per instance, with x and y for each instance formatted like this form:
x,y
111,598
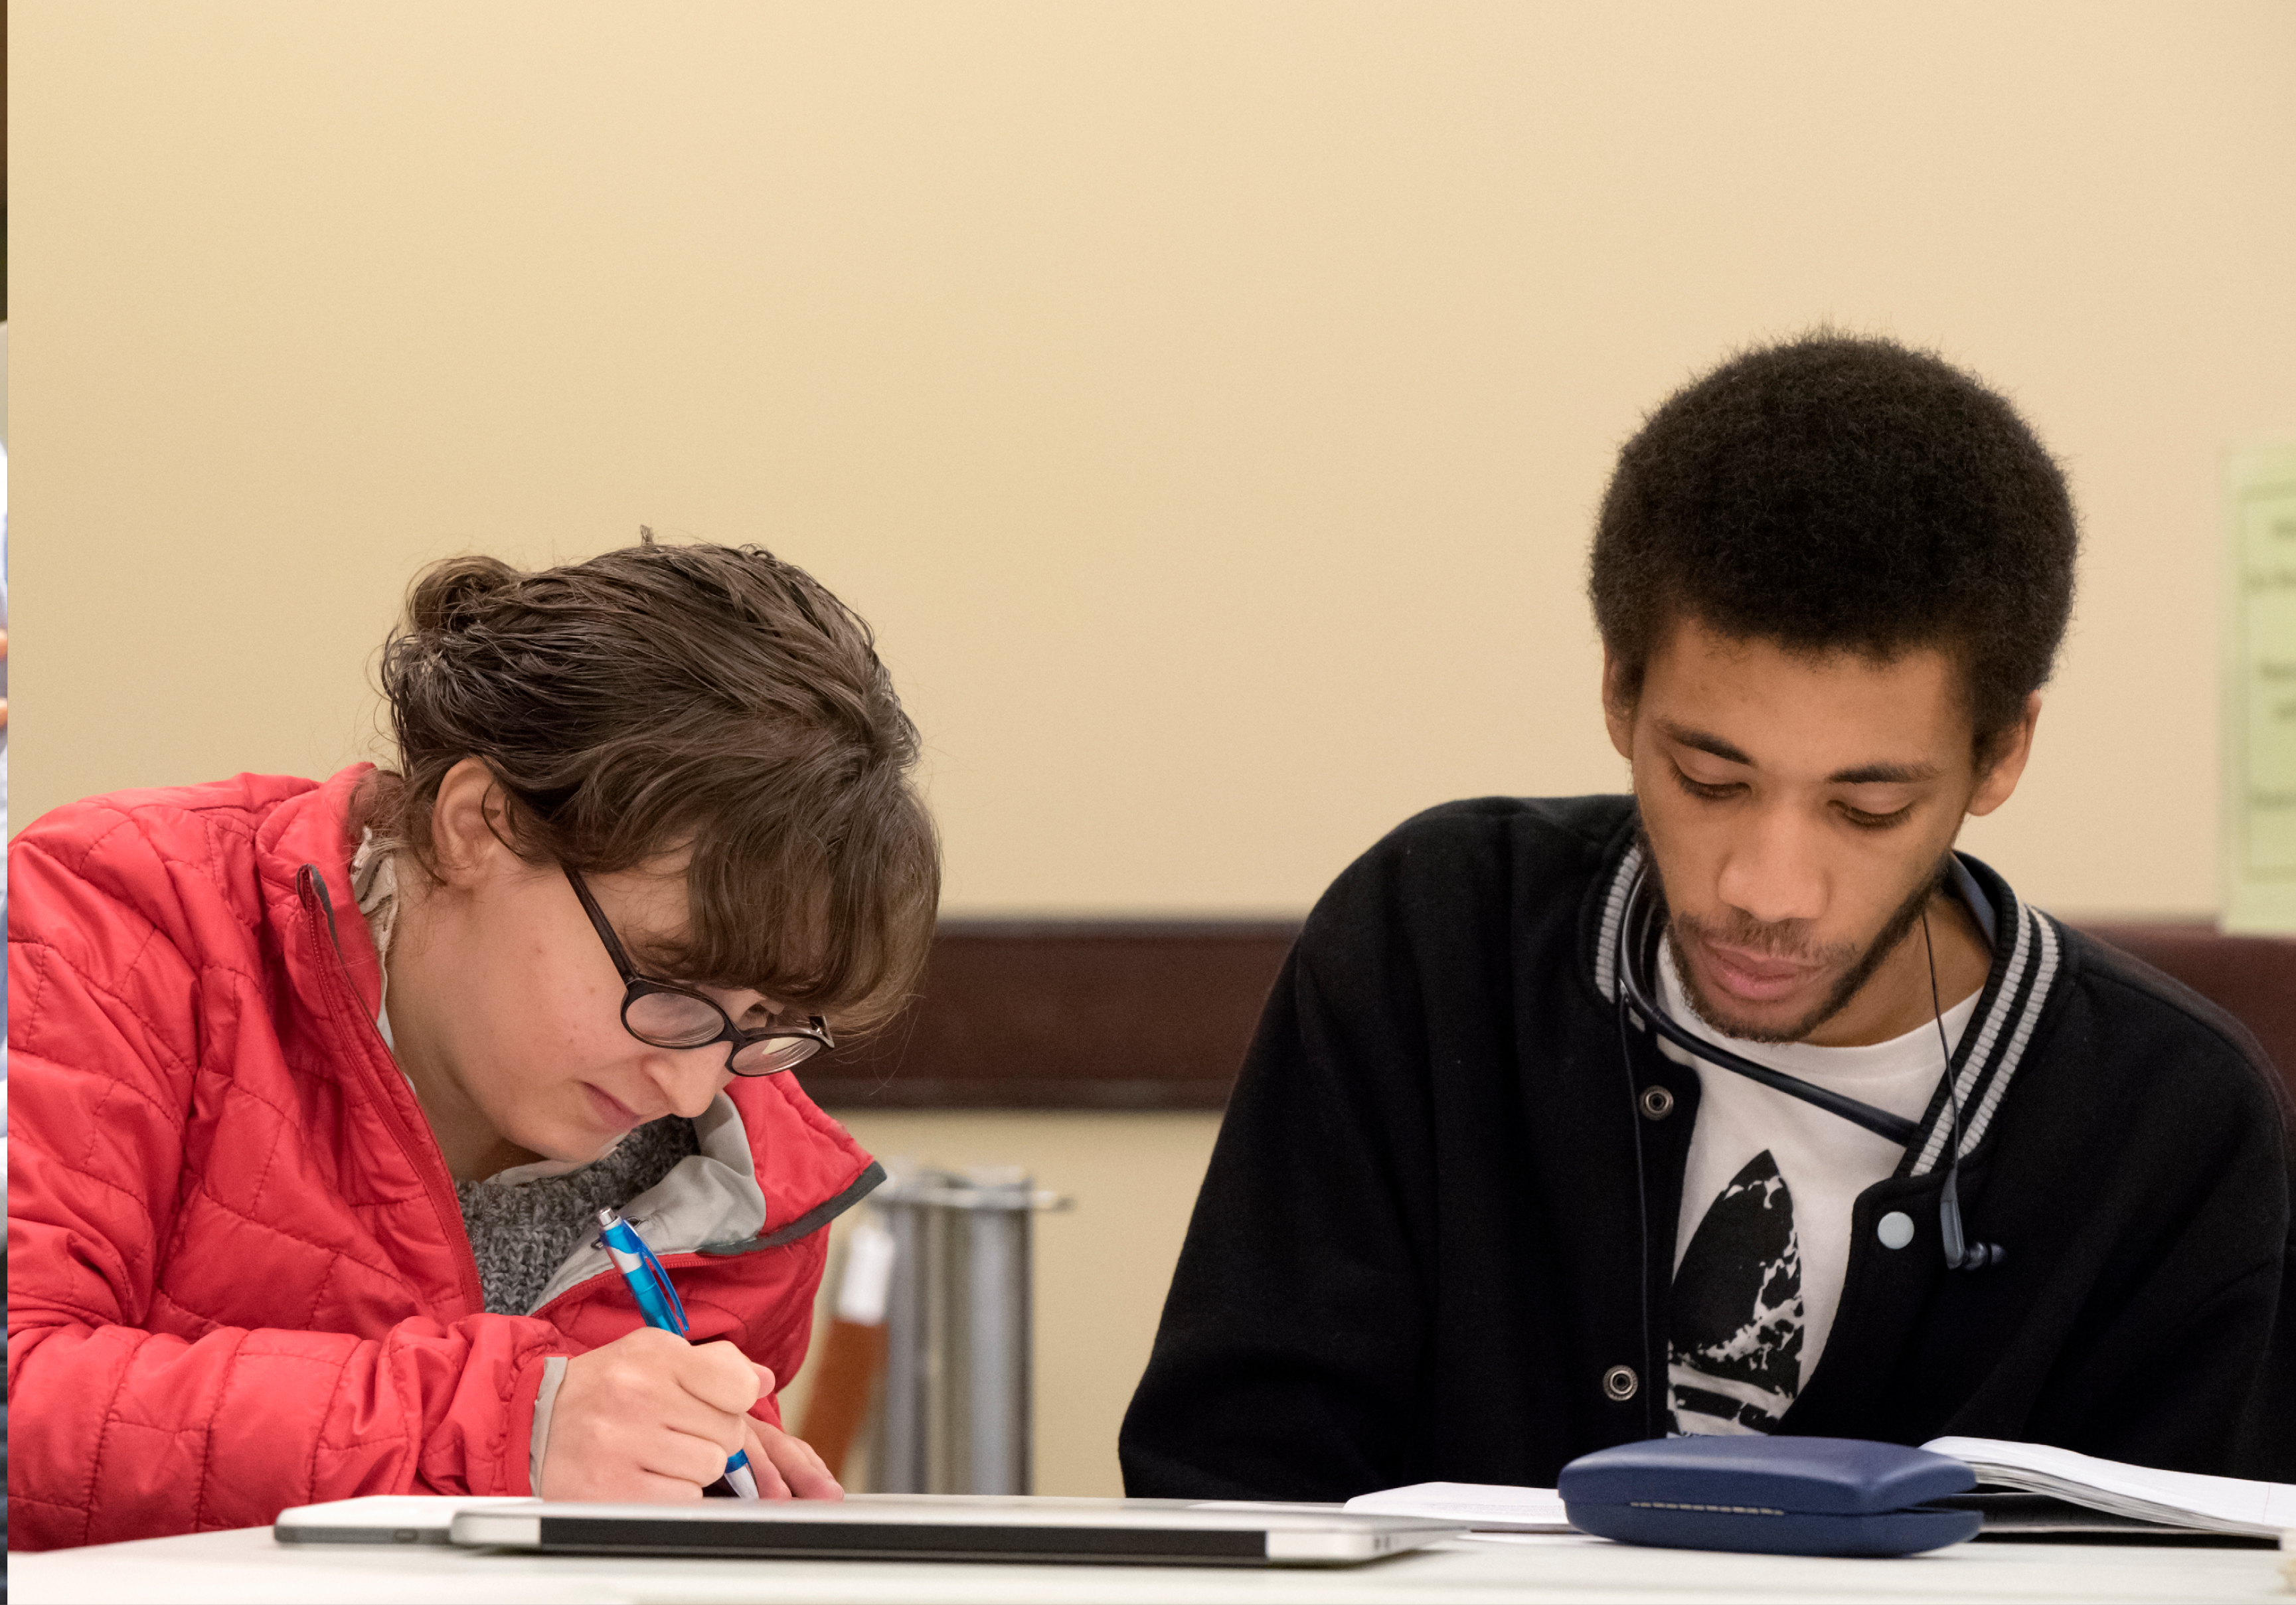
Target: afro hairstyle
x,y
1841,494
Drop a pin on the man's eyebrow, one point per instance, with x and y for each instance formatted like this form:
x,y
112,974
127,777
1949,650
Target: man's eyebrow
x,y
1703,741
1883,774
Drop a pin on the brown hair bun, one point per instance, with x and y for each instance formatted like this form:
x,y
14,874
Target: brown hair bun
x,y
452,594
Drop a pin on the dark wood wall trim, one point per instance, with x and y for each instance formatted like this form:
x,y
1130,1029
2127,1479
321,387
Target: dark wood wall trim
x,y
1069,1014
1156,1014
2251,978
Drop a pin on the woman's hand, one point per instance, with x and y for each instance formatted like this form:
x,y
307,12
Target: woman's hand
x,y
653,1417
786,1467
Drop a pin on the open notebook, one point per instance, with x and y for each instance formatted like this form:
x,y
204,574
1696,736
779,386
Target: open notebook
x,y
2173,1499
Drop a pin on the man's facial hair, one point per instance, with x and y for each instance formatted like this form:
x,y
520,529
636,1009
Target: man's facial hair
x,y
1751,933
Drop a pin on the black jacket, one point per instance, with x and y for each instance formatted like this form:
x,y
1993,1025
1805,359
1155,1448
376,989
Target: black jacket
x,y
1415,1254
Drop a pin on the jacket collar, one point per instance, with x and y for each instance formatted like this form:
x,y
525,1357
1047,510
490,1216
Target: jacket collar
x,y
2028,962
311,830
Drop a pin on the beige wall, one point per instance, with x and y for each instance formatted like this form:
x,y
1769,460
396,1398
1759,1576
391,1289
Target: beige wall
x,y
1207,401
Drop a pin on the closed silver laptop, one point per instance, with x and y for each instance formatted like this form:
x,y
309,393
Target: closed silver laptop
x,y
956,1527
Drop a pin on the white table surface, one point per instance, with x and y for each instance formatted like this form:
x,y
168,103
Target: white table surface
x,y
248,1566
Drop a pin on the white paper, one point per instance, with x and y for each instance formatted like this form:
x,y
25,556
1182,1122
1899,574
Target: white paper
x,y
1485,1506
2179,1498
2259,751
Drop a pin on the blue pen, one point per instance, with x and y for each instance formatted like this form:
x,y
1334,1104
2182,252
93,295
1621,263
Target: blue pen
x,y
659,1303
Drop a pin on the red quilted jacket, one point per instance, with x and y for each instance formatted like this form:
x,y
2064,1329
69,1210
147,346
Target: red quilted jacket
x,y
238,1279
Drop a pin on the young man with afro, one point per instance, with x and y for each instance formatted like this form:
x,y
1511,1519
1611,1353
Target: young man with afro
x,y
1473,1213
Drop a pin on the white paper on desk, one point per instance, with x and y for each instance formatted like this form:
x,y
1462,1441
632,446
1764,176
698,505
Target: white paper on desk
x,y
2228,1505
1487,1506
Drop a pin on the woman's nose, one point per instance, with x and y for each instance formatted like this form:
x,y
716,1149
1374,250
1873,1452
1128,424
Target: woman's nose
x,y
690,1078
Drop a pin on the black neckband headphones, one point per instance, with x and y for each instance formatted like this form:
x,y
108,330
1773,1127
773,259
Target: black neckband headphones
x,y
1636,936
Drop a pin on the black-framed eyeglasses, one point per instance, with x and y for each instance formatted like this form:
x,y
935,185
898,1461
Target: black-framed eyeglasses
x,y
662,1014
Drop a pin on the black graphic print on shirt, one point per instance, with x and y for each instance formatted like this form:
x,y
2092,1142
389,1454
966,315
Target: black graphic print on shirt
x,y
1733,1360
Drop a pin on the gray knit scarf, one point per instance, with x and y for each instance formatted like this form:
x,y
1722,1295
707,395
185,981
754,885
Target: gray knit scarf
x,y
521,1231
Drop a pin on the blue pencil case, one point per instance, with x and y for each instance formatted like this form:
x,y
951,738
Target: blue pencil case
x,y
1770,1496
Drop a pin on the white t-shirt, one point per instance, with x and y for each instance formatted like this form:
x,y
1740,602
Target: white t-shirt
x,y
1763,1241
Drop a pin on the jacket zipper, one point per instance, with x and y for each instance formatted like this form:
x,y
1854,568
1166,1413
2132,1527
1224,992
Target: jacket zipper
x,y
311,890
674,1259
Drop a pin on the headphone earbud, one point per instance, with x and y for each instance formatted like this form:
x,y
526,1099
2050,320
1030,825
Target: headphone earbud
x,y
1961,1254
1976,1256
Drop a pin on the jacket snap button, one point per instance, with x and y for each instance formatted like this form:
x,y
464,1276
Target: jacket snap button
x,y
1620,1384
1658,1103
1895,1229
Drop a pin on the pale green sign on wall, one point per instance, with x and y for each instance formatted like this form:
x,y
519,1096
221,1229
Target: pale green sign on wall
x,y
2260,704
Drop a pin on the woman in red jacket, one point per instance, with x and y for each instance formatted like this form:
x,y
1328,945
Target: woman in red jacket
x,y
319,1086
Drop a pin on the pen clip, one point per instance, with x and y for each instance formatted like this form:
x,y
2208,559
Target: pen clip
x,y
662,1284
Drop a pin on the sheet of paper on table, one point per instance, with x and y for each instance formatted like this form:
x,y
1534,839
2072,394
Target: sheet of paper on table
x,y
1481,1506
2222,1504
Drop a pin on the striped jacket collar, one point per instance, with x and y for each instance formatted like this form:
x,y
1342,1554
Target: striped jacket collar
x,y
2028,960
